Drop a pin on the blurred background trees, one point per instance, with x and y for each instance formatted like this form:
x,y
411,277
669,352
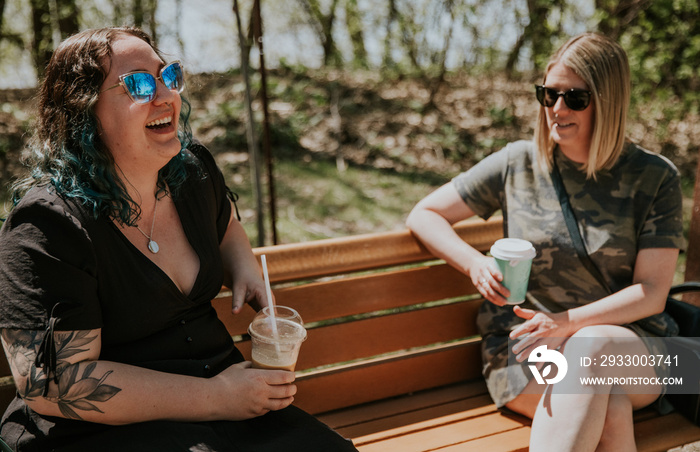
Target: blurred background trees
x,y
423,38
418,37
417,89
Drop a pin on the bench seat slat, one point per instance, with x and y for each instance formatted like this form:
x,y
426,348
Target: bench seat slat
x,y
509,441
418,420
447,431
361,415
376,382
665,432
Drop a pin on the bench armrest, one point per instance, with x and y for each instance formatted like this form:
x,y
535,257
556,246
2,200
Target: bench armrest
x,y
689,286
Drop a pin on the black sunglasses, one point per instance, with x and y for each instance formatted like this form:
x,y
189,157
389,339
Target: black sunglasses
x,y
575,99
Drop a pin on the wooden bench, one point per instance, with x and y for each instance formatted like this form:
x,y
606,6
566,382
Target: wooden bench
x,y
392,358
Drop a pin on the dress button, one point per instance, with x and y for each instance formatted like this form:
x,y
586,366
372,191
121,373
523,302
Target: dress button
x,y
207,367
189,339
183,321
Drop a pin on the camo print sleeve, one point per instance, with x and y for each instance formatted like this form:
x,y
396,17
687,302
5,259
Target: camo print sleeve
x,y
634,205
481,187
664,219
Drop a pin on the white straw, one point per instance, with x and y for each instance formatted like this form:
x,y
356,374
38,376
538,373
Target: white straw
x,y
270,303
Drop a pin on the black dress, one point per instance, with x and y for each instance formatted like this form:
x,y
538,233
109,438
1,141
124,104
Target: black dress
x,y
61,269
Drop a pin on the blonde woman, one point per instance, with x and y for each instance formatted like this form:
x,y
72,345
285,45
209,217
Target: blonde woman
x,y
627,203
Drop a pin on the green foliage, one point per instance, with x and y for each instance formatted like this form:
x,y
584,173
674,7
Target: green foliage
x,y
664,51
502,116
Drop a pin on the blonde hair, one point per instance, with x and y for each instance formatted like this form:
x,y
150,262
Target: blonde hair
x,y
602,64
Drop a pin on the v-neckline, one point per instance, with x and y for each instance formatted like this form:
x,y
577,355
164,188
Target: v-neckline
x,y
162,272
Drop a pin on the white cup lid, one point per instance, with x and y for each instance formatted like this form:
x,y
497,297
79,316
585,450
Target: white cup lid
x,y
513,249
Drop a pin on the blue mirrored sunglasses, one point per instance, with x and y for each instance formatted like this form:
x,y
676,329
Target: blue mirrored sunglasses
x,y
141,86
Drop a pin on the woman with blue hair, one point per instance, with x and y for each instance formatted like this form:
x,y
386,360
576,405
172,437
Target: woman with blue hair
x,y
120,237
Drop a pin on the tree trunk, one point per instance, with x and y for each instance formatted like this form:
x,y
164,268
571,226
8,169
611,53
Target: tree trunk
x,y
2,16
52,21
537,32
353,21
254,159
41,34
256,21
178,26
390,19
437,83
68,18
152,24
144,17
618,15
137,13
118,11
323,25
408,38
514,55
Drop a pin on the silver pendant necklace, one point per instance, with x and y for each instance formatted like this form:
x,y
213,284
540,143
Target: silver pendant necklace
x,y
152,245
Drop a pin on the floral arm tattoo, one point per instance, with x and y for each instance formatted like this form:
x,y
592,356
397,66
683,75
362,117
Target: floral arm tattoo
x,y
76,390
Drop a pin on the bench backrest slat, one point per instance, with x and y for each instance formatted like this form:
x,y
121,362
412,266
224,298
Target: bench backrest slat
x,y
360,294
388,379
376,336
326,257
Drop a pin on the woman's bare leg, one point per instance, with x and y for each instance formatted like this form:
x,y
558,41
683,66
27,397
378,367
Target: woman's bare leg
x,y
526,403
582,421
618,431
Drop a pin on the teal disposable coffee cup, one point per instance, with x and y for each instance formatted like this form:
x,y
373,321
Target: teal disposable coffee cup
x,y
514,260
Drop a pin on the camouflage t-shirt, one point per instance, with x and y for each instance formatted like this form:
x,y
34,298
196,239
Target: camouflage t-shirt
x,y
637,204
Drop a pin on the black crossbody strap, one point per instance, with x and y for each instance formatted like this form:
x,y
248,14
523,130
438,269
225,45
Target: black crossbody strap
x,y
572,226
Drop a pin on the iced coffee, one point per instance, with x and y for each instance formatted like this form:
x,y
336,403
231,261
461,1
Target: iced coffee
x,y
276,340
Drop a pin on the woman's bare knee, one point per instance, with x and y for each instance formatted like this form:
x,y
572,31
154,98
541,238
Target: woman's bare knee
x,y
618,429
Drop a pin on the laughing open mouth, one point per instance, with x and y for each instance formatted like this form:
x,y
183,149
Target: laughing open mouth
x,y
160,123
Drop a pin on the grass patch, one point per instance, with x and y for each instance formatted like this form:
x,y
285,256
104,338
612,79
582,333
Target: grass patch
x,y
315,200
